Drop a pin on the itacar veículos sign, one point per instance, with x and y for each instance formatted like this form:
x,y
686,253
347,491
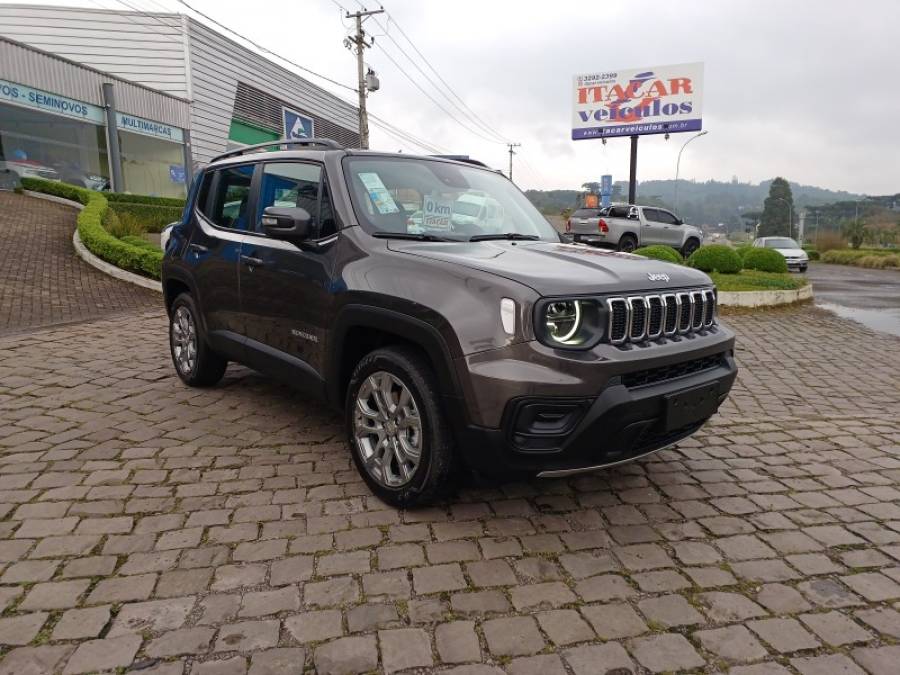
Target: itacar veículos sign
x,y
638,101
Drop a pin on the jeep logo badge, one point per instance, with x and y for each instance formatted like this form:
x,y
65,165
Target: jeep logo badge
x,y
658,277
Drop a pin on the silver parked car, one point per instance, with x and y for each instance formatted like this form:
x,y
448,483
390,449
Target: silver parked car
x,y
796,258
626,227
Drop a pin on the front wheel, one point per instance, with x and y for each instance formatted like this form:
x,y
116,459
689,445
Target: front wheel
x,y
196,364
689,247
400,441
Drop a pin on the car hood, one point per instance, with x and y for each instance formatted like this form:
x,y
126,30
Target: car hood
x,y
559,269
793,252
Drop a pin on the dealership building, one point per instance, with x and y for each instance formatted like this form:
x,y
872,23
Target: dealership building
x,y
135,101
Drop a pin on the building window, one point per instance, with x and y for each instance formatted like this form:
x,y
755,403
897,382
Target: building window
x,y
151,166
38,145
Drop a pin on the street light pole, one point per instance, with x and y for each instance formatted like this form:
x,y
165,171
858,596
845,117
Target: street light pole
x,y
678,165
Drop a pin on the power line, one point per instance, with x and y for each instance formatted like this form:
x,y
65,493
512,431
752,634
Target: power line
x,y
391,129
440,90
443,81
430,97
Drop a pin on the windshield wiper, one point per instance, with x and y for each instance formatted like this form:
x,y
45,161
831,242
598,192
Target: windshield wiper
x,y
511,236
383,234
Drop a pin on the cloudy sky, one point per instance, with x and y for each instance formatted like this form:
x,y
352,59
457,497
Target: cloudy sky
x,y
806,89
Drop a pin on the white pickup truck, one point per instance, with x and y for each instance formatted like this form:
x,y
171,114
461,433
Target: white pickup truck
x,y
626,227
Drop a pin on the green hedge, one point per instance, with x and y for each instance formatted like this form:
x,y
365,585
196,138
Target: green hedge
x,y
151,217
861,257
716,258
97,240
143,199
742,249
765,260
660,252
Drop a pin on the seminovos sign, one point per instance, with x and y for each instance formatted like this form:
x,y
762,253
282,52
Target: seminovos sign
x,y
665,99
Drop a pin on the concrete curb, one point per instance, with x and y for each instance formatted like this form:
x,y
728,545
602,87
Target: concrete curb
x,y
764,298
92,260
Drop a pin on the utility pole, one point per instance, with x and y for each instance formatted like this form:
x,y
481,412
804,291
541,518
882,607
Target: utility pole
x,y
359,41
511,153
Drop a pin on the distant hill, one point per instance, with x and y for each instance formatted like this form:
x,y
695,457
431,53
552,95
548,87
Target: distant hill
x,y
706,203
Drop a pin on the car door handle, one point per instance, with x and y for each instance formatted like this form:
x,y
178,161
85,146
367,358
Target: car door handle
x,y
252,261
199,248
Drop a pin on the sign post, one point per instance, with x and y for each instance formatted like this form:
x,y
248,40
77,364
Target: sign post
x,y
605,190
637,102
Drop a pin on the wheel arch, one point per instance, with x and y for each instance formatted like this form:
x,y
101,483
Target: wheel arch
x,y
359,329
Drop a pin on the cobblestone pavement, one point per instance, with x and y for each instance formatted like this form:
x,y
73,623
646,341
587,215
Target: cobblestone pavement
x,y
152,527
42,281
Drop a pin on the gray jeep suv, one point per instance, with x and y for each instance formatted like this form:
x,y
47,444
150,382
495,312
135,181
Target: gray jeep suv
x,y
447,340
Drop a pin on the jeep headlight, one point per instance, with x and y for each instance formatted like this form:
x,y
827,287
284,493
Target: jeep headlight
x,y
572,324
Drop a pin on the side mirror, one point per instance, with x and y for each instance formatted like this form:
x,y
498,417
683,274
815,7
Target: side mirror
x,y
632,216
290,223
679,221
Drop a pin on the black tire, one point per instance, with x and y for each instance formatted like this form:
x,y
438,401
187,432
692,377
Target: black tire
x,y
207,367
803,269
432,477
627,243
689,247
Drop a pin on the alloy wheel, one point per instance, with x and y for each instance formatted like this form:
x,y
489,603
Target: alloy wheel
x,y
184,340
387,429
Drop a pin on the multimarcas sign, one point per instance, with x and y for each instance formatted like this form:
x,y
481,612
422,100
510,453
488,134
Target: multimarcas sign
x,y
148,127
660,100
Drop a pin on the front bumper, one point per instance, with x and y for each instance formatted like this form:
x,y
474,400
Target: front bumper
x,y
628,417
796,265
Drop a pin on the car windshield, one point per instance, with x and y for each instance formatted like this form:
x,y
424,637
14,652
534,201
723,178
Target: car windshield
x,y
781,242
441,199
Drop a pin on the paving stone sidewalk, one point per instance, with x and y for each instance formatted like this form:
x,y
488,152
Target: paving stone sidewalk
x,y
42,281
152,528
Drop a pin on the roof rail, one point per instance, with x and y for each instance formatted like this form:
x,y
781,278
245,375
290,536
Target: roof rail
x,y
322,142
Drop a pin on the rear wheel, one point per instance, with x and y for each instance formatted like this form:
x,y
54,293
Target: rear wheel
x,y
689,247
400,441
196,364
627,243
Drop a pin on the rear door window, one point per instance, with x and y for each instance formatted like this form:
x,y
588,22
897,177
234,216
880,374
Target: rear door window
x,y
230,202
665,217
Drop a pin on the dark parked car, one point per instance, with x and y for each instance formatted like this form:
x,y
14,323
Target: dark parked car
x,y
446,341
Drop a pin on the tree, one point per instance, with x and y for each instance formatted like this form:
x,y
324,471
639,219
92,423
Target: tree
x,y
778,211
856,232
593,188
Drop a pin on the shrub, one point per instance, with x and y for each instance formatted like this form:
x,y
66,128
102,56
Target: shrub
x,y
765,260
660,252
844,256
149,217
140,242
827,241
878,262
117,197
742,249
856,232
813,254
716,258
94,236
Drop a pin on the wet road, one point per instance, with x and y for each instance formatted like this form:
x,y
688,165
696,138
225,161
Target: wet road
x,y
871,297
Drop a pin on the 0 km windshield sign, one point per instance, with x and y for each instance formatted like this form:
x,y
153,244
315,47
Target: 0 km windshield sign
x,y
660,100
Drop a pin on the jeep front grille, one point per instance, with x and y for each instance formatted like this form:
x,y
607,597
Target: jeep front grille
x,y
648,317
